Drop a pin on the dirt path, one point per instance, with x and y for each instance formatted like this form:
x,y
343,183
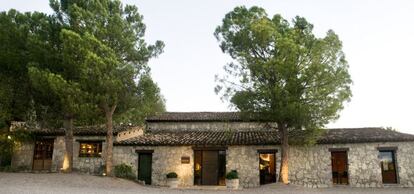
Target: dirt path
x,y
22,183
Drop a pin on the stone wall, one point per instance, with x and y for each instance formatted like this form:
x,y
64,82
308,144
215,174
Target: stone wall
x,y
89,165
165,159
245,159
183,126
311,166
127,155
23,155
308,166
58,153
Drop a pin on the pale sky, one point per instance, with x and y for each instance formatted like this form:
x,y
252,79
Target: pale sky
x,y
378,39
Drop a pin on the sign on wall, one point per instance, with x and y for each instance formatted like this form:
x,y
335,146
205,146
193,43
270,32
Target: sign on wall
x,y
185,160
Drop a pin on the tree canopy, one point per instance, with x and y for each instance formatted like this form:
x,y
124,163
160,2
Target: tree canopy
x,y
84,64
282,72
110,37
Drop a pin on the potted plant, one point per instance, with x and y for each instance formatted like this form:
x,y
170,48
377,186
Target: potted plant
x,y
232,179
172,180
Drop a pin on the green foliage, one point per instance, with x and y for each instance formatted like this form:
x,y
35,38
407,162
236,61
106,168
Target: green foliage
x,y
17,41
233,174
10,140
124,171
110,36
147,102
6,168
17,169
78,63
41,65
6,149
282,73
172,175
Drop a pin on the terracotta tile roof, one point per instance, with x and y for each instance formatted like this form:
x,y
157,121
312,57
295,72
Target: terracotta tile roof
x,y
85,130
262,137
362,135
196,116
204,138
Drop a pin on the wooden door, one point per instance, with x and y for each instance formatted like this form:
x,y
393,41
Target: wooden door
x,y
145,167
210,168
43,153
388,167
339,167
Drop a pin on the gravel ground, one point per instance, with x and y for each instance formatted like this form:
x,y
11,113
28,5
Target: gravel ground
x,y
21,183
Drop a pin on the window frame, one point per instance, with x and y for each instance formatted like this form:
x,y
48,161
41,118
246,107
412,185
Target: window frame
x,y
98,153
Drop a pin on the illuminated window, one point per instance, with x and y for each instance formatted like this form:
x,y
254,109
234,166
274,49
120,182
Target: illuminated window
x,y
90,149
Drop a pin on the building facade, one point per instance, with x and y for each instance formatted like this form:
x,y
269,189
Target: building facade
x,y
201,147
46,151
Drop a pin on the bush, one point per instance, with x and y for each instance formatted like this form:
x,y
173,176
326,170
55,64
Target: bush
x,y
6,169
124,171
14,169
172,175
232,175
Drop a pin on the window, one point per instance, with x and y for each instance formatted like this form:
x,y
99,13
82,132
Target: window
x,y
388,167
90,149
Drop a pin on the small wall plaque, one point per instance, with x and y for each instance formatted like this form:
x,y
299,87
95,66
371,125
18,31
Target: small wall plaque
x,y
185,160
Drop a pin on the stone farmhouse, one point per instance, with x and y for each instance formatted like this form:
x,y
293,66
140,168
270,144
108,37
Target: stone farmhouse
x,y
202,146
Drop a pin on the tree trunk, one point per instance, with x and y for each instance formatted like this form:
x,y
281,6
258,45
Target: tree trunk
x,y
109,139
68,157
284,167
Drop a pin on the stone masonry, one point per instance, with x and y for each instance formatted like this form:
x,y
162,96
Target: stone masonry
x,y
23,155
311,166
164,160
245,159
308,166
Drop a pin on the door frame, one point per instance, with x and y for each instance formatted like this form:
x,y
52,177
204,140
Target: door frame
x,y
268,151
394,157
144,152
201,149
345,150
52,140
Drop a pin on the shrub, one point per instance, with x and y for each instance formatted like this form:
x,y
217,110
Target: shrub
x,y
124,171
6,169
172,175
232,175
14,169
